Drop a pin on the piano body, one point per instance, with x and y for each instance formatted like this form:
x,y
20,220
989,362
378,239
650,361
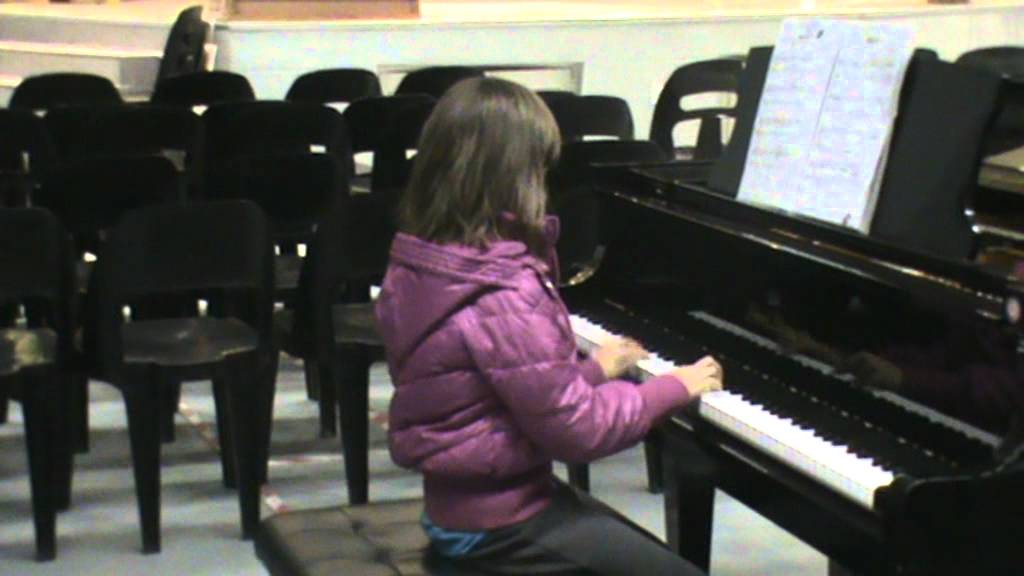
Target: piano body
x,y
874,394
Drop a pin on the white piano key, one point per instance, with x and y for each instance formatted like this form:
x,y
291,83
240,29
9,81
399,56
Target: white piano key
x,y
830,464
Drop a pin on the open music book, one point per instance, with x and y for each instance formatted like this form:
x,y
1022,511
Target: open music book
x,y
825,119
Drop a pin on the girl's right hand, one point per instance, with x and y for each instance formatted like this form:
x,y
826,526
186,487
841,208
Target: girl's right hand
x,y
704,375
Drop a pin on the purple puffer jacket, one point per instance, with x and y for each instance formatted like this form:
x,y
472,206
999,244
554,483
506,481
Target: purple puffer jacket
x,y
489,388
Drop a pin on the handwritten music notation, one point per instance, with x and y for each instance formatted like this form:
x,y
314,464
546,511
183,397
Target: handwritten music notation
x,y
825,119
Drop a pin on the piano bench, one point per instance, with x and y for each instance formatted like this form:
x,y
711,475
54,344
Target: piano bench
x,y
378,539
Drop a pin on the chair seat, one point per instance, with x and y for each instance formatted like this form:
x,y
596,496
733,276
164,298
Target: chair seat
x,y
21,348
355,324
186,341
383,539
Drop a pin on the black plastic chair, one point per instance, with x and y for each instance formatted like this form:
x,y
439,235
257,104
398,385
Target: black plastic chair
x,y
710,76
35,357
183,51
26,152
435,80
592,115
333,325
173,255
1007,132
334,85
47,91
203,89
370,119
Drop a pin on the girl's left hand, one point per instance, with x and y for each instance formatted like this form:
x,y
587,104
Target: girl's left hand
x,y
618,355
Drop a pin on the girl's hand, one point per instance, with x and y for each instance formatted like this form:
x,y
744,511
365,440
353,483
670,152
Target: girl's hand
x,y
704,375
618,355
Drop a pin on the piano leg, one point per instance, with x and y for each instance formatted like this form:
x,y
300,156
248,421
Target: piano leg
x,y
655,469
579,476
689,500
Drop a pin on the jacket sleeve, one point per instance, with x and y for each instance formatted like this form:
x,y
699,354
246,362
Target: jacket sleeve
x,y
530,361
591,370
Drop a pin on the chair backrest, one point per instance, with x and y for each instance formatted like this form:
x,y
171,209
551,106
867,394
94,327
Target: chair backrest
x,y
203,88
574,194
350,245
183,51
122,129
294,189
369,119
37,270
1008,62
216,250
92,194
33,253
435,80
936,150
592,115
248,129
392,162
141,129
1005,61
709,76
335,85
26,152
551,96
47,91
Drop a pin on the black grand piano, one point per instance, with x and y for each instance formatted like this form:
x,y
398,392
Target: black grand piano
x,y
874,393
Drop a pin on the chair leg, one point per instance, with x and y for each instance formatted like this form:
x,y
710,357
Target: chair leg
x,y
37,406
328,404
143,407
353,394
80,393
243,402
266,412
579,476
3,407
312,379
170,399
652,454
63,430
224,435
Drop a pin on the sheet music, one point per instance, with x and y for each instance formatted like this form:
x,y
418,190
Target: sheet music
x,y
823,127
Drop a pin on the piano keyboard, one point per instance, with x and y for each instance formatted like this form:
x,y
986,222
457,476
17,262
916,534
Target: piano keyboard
x,y
830,463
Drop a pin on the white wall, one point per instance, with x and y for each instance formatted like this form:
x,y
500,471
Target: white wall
x,y
630,59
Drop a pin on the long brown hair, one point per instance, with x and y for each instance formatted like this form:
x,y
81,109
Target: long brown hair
x,y
483,155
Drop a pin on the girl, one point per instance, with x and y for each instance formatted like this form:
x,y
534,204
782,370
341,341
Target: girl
x,y
488,385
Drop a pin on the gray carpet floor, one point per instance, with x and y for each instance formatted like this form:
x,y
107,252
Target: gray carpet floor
x,y
99,535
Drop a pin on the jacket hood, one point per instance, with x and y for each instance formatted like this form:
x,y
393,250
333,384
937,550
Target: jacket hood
x,y
427,282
